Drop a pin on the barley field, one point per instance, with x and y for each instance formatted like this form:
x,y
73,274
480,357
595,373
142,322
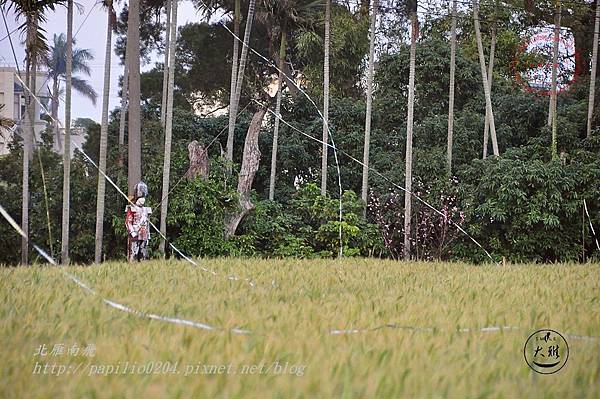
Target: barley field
x,y
413,330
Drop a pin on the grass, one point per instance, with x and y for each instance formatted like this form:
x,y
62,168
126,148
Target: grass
x,y
290,313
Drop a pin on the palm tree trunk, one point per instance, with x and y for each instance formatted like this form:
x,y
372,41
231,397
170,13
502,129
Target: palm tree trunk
x,y
122,116
103,141
593,75
67,143
168,128
486,87
282,53
237,16
327,45
233,108
55,99
27,145
409,133
451,94
554,60
134,161
490,76
367,144
553,89
163,103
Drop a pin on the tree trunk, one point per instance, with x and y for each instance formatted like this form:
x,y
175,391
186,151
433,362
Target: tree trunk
x,y
233,107
582,40
134,161
327,45
67,142
163,103
168,129
553,88
250,163
488,97
486,128
367,143
593,75
198,161
555,44
234,63
103,140
123,114
27,135
55,99
451,93
409,134
282,51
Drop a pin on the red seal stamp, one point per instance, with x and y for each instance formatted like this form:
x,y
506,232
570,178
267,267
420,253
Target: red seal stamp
x,y
532,65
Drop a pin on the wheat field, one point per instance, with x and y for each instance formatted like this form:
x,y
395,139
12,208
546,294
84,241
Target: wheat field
x,y
414,330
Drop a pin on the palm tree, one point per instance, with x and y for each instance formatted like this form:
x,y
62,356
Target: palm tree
x,y
365,172
486,87
233,105
490,78
35,48
134,159
409,129
163,103
168,127
553,89
593,75
56,63
103,134
451,94
67,148
327,45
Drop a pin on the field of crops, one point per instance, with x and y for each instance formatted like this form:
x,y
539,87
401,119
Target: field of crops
x,y
411,341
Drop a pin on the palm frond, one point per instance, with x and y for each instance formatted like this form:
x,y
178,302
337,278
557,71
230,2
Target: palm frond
x,y
5,123
83,87
80,56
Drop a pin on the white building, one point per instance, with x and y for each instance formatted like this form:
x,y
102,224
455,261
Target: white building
x,y
12,98
11,88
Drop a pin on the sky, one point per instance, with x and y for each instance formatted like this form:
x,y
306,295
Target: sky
x,y
91,35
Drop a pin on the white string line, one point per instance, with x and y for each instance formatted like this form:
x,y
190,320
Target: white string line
x,y
489,329
110,302
591,225
370,168
291,79
230,277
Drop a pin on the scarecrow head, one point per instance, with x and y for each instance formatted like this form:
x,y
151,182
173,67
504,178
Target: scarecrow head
x,y
140,192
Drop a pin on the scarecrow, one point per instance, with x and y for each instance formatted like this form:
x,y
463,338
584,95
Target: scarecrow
x,y
137,223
